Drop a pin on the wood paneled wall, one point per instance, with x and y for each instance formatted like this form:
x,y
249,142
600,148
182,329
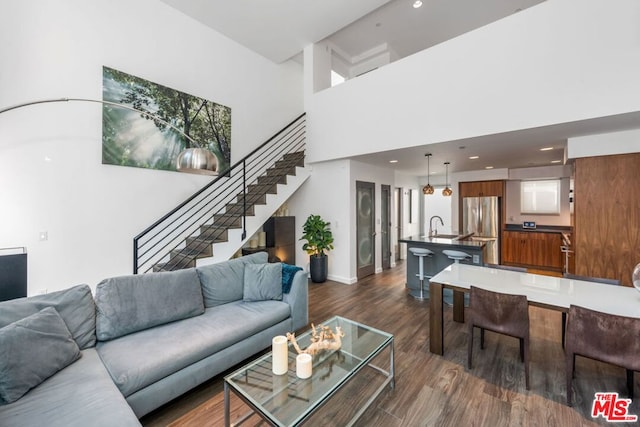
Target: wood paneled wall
x,y
607,216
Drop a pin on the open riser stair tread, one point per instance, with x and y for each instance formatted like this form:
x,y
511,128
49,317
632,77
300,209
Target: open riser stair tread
x,y
201,245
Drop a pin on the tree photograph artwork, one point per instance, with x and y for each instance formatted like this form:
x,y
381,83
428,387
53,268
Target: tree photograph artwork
x,y
132,138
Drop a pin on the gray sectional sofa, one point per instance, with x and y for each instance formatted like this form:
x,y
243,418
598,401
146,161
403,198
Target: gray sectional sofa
x,y
70,358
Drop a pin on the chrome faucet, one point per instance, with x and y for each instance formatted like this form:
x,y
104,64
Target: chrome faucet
x,y
432,231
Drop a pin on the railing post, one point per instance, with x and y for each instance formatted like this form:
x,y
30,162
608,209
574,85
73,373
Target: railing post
x,y
244,199
135,256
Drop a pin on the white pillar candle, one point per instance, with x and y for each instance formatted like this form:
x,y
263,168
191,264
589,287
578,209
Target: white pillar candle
x,y
262,239
303,365
279,355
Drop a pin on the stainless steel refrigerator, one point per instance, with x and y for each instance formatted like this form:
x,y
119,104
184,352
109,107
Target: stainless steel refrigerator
x,y
481,216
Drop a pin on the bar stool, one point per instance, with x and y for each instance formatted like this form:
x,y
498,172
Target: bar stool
x,y
421,253
457,256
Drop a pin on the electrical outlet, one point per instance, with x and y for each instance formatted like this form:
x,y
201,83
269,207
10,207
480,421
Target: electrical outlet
x,y
42,291
43,236
476,259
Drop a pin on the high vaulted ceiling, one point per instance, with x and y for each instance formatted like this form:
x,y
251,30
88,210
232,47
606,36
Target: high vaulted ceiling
x,y
280,29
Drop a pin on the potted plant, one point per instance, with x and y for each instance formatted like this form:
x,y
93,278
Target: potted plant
x,y
319,239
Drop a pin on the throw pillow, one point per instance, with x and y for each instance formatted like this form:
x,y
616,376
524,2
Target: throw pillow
x,y
288,273
75,305
133,303
33,349
223,283
262,282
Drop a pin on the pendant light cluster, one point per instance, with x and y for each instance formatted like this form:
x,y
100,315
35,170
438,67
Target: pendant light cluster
x,y
428,189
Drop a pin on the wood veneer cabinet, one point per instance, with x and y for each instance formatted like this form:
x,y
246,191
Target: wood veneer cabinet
x,y
482,188
607,216
532,249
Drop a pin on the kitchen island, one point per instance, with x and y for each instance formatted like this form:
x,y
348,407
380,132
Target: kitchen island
x,y
438,261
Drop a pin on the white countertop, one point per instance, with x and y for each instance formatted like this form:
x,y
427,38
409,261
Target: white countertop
x,y
553,291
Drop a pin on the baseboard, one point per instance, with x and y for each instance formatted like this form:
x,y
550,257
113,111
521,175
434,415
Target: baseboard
x,y
345,280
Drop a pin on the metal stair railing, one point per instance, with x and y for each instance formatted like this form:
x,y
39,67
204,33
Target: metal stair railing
x,y
155,244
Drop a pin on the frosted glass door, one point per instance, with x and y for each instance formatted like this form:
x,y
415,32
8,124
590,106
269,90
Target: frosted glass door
x,y
365,228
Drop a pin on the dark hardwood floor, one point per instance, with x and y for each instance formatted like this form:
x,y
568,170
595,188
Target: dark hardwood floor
x,y
434,390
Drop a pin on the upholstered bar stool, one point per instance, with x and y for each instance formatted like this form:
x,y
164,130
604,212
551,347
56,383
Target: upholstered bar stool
x,y
421,253
457,256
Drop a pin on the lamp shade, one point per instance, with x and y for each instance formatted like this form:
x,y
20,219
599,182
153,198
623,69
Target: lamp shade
x,y
428,189
447,190
197,160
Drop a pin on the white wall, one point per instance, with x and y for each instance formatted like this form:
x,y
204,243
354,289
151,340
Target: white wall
x,y
437,204
540,67
407,182
604,144
54,49
326,193
330,192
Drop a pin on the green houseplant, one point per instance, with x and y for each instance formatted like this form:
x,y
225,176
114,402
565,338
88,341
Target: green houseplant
x,y
319,239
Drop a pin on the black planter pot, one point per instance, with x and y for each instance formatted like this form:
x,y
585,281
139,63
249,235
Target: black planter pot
x,y
318,268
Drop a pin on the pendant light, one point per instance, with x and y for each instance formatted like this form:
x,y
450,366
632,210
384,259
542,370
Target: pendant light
x,y
447,190
428,189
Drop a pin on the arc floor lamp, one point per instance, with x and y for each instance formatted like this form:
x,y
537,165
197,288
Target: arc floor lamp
x,y
193,160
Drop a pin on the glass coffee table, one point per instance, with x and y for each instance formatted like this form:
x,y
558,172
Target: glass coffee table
x,y
286,400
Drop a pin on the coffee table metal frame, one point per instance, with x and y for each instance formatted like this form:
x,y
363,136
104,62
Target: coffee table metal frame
x,y
257,408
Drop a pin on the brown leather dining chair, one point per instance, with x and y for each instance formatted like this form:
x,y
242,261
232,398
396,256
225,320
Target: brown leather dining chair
x,y
502,313
588,279
601,336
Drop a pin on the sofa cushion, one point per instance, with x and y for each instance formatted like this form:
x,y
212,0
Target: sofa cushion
x,y
80,395
128,304
288,273
143,358
33,349
224,282
75,305
262,282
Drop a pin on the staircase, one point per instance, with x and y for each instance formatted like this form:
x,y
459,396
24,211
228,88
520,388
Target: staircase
x,y
213,224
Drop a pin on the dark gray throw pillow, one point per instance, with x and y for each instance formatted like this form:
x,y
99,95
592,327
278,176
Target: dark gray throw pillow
x,y
223,283
262,282
33,349
75,305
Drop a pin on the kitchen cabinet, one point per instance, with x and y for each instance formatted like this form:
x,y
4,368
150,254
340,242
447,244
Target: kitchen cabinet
x,y
532,249
482,188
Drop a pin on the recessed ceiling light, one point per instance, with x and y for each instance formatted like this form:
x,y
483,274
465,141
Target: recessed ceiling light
x,y
393,161
417,4
473,157
556,161
546,149
488,167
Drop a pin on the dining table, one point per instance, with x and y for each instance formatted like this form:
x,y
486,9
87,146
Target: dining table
x,y
554,293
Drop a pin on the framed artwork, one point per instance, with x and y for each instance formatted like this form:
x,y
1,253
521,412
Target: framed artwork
x,y
131,138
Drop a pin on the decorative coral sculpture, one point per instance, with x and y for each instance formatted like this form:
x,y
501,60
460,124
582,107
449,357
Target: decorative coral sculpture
x,y
322,338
